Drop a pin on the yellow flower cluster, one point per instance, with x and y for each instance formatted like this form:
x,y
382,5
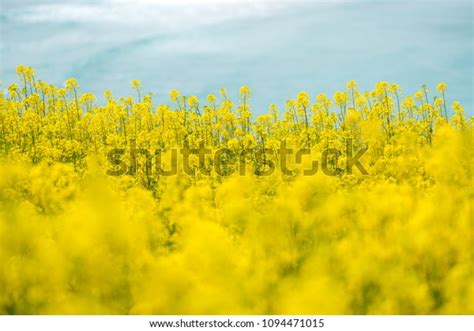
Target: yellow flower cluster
x,y
74,240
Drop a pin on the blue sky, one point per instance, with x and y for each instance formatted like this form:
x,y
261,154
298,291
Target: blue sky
x,y
276,47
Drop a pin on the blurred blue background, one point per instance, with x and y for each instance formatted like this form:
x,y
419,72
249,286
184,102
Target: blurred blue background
x,y
276,47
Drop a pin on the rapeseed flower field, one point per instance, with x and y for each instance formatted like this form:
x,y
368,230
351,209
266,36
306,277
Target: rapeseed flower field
x,y
111,208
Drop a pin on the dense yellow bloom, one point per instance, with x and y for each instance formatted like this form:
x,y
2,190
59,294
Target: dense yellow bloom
x,y
419,95
174,95
442,87
303,99
72,84
340,98
248,140
351,85
215,240
136,84
245,92
233,143
193,101
211,98
395,88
